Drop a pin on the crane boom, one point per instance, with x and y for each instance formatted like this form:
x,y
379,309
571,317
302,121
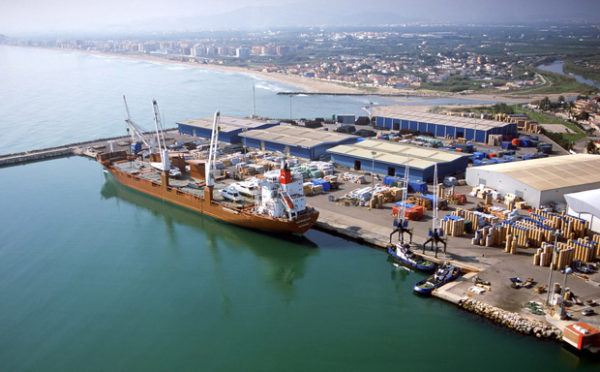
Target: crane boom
x,y
137,134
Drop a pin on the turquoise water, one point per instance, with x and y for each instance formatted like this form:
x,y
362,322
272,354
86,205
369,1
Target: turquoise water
x,y
94,276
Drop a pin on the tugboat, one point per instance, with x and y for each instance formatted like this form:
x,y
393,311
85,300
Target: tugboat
x,y
445,274
401,253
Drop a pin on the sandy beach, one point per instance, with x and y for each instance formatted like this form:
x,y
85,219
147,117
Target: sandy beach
x,y
319,86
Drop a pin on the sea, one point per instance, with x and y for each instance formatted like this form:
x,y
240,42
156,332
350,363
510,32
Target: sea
x,y
95,276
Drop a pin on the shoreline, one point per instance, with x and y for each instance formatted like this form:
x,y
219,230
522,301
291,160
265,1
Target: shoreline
x,y
325,87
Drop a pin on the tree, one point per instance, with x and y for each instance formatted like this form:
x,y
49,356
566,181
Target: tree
x,y
583,115
591,148
545,103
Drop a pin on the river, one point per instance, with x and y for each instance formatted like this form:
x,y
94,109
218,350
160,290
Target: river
x,y
557,67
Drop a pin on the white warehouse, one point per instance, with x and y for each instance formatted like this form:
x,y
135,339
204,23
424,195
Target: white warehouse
x,y
540,181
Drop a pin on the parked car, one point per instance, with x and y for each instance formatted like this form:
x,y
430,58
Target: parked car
x,y
231,194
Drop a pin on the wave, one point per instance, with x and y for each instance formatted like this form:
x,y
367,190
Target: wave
x,y
265,85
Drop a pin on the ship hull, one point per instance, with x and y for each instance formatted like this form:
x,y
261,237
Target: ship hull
x,y
236,216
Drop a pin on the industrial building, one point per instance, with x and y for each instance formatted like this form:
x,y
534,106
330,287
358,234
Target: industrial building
x,y
540,181
390,158
585,205
229,127
295,141
471,129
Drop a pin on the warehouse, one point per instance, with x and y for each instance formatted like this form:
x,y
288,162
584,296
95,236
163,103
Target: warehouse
x,y
296,141
540,181
585,205
471,129
390,158
229,127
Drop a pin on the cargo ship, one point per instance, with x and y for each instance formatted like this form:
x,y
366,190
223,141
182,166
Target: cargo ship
x,y
279,205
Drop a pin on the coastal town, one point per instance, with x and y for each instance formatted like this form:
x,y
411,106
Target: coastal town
x,y
444,59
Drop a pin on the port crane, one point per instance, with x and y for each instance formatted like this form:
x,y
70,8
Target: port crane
x,y
211,167
401,222
137,134
435,233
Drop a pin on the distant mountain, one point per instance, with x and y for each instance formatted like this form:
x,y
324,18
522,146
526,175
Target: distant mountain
x,y
384,12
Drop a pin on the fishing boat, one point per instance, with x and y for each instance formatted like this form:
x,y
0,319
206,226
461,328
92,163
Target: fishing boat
x,y
279,206
444,274
403,254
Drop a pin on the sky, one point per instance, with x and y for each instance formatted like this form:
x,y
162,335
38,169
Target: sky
x,y
38,16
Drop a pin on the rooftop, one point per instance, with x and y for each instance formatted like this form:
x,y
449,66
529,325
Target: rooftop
x,y
396,153
226,123
398,112
296,136
553,172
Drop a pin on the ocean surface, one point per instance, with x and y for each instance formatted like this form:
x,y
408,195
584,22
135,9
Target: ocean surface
x,y
50,98
95,276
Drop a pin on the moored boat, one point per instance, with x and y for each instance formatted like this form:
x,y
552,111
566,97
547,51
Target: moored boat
x,y
444,274
403,254
279,207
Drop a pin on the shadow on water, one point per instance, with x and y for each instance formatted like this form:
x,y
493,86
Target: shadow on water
x,y
282,257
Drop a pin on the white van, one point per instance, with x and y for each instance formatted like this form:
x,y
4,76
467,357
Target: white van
x,y
231,194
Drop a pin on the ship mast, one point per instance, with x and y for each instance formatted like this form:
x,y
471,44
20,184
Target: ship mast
x,y
211,166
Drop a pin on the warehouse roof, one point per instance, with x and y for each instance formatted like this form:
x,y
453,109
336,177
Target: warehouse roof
x,y
396,153
296,136
226,123
398,112
552,173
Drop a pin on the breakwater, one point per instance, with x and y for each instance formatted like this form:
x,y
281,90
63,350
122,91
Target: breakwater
x,y
511,320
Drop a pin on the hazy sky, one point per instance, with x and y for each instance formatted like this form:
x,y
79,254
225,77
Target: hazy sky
x,y
37,16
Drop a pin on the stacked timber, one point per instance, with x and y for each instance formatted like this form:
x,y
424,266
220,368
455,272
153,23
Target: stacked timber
x,y
453,225
572,227
566,253
478,218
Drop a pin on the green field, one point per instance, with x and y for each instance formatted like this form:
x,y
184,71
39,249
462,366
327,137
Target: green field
x,y
563,139
558,83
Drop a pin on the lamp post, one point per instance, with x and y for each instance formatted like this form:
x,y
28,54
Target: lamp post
x,y
373,153
556,234
568,271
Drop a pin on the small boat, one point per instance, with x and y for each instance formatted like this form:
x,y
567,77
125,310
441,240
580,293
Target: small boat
x,y
401,253
445,274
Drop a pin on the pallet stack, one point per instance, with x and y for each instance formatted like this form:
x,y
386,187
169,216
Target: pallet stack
x,y
476,217
572,227
453,225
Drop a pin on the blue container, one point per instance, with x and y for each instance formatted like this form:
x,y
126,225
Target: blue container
x,y
507,145
136,147
417,186
385,138
317,181
360,139
479,155
390,180
477,163
526,142
534,138
407,205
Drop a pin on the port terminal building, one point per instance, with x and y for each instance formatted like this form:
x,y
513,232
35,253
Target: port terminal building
x,y
391,158
471,129
540,181
296,141
229,127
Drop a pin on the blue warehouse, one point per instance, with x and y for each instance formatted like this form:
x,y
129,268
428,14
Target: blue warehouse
x,y
229,127
296,141
471,129
391,158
